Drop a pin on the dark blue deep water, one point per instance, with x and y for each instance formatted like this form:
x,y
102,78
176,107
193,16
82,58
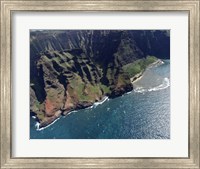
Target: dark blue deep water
x,y
143,113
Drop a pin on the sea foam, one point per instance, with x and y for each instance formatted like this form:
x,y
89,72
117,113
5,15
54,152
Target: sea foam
x,y
37,125
165,84
99,102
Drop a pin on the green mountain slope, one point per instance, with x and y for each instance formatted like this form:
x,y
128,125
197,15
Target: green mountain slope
x,y
71,70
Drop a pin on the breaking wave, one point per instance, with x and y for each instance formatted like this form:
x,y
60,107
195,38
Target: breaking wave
x,y
165,84
37,125
99,102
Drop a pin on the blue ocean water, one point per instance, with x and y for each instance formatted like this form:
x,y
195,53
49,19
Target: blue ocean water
x,y
143,113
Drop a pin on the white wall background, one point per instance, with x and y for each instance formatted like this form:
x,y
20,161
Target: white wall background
x,y
177,146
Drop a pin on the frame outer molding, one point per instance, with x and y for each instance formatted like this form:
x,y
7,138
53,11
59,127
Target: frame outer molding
x,y
8,7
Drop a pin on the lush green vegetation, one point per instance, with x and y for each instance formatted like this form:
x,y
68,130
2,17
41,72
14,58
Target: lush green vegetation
x,y
138,66
105,89
150,59
40,115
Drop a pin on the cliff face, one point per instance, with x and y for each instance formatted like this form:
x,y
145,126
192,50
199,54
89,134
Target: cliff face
x,y
73,69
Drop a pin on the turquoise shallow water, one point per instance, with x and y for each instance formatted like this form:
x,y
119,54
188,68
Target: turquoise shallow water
x,y
143,113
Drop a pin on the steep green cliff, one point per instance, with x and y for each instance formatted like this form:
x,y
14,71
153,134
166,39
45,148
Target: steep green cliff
x,y
72,69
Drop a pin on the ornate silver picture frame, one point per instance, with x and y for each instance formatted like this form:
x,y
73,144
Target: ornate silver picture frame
x,y
6,99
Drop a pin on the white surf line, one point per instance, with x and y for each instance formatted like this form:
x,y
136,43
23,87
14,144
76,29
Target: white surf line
x,y
37,125
98,103
73,111
164,85
159,62
33,117
101,101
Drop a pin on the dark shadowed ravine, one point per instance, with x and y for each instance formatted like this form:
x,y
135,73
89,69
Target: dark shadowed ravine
x,y
143,113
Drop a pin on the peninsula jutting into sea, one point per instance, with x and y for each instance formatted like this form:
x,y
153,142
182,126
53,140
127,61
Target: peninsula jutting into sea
x,y
74,71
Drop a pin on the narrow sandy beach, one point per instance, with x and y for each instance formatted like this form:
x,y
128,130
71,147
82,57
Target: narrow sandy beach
x,y
139,76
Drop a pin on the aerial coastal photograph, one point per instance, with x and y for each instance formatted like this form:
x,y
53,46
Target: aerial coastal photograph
x,y
99,84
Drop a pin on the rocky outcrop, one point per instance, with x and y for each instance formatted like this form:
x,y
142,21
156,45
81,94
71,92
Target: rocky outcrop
x,y
71,70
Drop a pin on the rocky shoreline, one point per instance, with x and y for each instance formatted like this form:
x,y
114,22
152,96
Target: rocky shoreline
x,y
60,113
138,76
74,69
158,62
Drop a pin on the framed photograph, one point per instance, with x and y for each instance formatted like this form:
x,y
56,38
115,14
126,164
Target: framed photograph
x,y
100,84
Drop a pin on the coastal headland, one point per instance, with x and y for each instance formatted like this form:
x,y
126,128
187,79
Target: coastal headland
x,y
72,70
